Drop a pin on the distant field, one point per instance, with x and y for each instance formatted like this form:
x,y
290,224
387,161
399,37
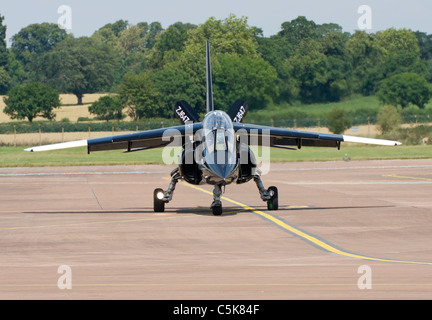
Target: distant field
x,y
16,157
35,139
69,108
360,109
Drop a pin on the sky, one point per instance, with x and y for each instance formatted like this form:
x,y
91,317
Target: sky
x,y
86,16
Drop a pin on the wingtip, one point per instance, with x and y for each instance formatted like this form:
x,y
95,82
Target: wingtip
x,y
371,141
58,146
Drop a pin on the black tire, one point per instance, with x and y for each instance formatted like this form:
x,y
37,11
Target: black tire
x,y
217,210
158,205
273,203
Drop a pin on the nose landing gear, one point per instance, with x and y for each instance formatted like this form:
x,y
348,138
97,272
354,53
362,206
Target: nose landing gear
x,y
217,203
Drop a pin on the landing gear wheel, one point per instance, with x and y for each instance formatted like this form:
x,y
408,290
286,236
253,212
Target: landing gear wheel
x,y
217,210
273,203
158,204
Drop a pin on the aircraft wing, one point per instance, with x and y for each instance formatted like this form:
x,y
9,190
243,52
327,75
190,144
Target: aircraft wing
x,y
288,138
278,138
129,142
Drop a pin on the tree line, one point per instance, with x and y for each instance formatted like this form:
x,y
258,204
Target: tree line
x,y
148,68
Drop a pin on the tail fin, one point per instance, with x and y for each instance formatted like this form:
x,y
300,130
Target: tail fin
x,y
210,106
185,112
238,111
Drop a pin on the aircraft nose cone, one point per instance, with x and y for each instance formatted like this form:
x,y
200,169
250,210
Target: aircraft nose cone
x,y
222,170
219,164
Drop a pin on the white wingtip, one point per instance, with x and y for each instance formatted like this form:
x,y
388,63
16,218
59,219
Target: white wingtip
x,y
371,141
58,146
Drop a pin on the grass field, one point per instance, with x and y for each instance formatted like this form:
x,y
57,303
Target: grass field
x,y
359,108
16,157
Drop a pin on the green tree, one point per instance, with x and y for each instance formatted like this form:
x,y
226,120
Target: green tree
x,y
248,78
338,66
174,85
405,88
232,35
3,48
376,57
363,53
398,52
138,94
174,37
131,41
30,101
134,44
388,119
107,36
117,27
36,39
151,33
321,68
229,36
425,44
15,70
276,50
170,43
299,29
393,41
78,66
107,108
338,120
5,81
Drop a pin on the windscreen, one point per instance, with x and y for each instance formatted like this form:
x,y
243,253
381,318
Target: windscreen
x,y
219,136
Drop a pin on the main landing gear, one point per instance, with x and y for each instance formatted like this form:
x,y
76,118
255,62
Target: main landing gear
x,y
270,195
161,197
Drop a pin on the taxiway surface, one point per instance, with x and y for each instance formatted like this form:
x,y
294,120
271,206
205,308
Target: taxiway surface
x,y
345,230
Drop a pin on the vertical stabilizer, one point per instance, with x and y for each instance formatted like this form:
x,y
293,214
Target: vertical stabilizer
x,y
210,106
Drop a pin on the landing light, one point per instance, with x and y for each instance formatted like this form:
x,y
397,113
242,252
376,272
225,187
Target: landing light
x,y
160,195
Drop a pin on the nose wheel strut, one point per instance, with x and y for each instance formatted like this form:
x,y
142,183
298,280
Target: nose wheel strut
x,y
217,203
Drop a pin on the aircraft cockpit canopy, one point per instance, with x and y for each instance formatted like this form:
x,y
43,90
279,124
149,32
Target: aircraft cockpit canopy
x,y
219,132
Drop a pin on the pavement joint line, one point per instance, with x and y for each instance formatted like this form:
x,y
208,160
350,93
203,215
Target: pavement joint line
x,y
85,223
163,172
427,181
42,174
89,285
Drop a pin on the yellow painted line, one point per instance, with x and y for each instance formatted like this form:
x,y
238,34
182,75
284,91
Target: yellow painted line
x,y
306,236
405,177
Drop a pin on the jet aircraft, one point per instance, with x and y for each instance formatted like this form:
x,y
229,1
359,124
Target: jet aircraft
x,y
215,150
